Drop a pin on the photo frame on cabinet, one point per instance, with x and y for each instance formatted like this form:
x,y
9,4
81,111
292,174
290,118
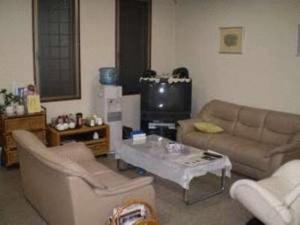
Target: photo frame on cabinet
x,y
231,39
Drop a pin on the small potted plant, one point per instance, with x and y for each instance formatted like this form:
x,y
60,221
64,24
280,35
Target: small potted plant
x,y
10,102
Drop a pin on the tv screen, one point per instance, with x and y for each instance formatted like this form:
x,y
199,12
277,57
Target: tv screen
x,y
165,97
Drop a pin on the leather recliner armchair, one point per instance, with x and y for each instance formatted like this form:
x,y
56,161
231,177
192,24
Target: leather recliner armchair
x,y
274,200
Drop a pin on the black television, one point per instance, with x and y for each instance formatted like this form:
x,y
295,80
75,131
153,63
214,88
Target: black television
x,y
166,97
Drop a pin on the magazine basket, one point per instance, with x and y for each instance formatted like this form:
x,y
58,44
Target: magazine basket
x,y
150,220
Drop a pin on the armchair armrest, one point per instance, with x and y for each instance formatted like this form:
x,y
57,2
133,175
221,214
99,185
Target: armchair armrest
x,y
295,146
188,125
252,195
73,151
129,186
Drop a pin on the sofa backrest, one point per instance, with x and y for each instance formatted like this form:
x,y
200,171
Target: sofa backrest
x,y
249,123
270,127
280,127
29,143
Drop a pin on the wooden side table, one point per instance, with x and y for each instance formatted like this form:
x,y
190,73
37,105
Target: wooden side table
x,y
84,134
35,122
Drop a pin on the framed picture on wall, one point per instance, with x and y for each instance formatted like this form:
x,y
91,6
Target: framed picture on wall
x,y
298,48
231,40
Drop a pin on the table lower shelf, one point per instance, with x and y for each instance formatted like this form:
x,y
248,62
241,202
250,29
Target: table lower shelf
x,y
84,134
100,148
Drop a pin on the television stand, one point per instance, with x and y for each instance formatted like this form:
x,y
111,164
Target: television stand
x,y
162,123
162,128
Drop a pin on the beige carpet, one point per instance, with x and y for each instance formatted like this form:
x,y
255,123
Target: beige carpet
x,y
219,210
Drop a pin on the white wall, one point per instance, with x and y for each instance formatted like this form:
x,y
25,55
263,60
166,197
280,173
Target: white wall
x,y
16,61
97,29
265,75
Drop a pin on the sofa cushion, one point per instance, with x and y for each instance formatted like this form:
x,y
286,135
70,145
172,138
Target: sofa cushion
x,y
241,150
208,127
250,123
93,167
282,184
223,114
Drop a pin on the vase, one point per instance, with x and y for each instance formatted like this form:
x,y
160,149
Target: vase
x,y
95,136
20,109
9,110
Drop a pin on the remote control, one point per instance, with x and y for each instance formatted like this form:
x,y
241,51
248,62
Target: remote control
x,y
213,154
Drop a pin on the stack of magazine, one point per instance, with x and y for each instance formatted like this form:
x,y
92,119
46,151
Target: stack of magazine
x,y
131,214
198,159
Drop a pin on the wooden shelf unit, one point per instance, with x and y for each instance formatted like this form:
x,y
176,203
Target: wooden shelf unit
x,y
34,122
84,134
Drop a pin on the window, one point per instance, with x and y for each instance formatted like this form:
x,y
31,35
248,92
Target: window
x,y
56,49
133,42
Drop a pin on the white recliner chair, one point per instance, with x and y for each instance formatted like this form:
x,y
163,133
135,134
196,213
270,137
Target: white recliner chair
x,y
274,200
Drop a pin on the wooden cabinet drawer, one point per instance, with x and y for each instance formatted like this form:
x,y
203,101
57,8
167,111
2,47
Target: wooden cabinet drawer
x,y
99,149
31,123
10,142
11,157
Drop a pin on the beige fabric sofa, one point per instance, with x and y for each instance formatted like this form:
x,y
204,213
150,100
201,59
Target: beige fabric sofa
x,y
67,186
257,141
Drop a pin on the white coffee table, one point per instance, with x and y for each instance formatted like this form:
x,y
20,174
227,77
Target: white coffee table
x,y
152,156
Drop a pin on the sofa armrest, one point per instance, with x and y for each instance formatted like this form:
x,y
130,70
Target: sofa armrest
x,y
283,149
73,151
188,125
127,187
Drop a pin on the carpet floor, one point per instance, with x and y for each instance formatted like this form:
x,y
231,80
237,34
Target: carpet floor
x,y
218,210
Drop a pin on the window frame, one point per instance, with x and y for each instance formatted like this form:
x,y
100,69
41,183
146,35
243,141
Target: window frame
x,y
76,48
117,40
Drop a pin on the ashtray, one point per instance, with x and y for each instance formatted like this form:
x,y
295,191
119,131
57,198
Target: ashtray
x,y
174,148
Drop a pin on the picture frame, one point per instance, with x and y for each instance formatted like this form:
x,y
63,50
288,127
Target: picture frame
x,y
33,103
231,39
298,41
